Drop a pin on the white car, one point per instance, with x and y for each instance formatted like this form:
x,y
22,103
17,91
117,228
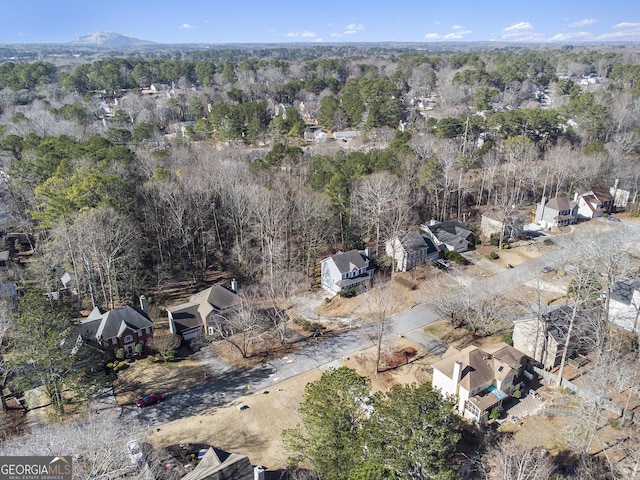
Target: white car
x,y
135,452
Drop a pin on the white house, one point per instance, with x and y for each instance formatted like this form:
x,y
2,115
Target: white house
x,y
624,305
410,249
556,212
595,203
346,270
479,379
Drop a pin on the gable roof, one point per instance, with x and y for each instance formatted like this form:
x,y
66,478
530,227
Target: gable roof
x,y
213,467
602,195
479,366
345,262
186,316
216,297
413,240
105,325
623,291
560,204
450,230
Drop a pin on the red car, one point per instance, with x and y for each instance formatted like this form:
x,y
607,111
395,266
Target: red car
x,y
150,399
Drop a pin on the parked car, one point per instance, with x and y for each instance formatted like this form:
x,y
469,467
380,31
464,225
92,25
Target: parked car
x,y
150,399
442,264
611,218
548,269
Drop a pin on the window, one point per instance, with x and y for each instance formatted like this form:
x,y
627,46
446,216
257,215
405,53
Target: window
x,y
128,339
211,331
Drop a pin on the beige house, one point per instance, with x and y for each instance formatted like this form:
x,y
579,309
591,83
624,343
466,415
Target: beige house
x,y
480,379
542,336
190,319
410,249
494,222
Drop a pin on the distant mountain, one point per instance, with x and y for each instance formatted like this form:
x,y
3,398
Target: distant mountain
x,y
108,38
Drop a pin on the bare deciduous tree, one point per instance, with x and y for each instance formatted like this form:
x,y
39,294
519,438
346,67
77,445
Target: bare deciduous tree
x,y
509,459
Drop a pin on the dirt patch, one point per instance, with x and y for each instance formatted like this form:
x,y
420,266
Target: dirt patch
x,y
517,253
459,337
148,375
256,429
269,347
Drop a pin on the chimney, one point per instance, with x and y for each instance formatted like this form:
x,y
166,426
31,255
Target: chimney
x,y
457,371
234,285
367,252
575,196
144,306
258,473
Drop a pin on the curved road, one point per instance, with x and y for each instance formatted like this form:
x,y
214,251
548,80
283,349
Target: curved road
x,y
228,385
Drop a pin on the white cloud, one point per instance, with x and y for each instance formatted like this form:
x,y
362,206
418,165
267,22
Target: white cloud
x,y
565,37
518,27
521,32
318,40
583,23
186,26
432,36
353,28
456,27
626,25
336,35
452,36
628,31
301,34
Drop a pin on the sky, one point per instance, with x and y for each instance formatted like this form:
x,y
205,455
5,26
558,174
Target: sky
x,y
327,21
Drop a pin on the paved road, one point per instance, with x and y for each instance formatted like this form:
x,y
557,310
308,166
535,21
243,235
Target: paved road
x,y
228,385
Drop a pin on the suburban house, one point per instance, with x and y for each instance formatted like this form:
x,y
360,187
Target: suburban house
x,y
218,465
190,319
495,221
624,305
595,203
345,270
556,212
123,327
450,235
479,378
410,249
346,135
542,335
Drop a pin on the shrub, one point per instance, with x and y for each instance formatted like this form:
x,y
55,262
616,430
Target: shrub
x,y
120,354
495,413
454,256
516,394
507,338
406,282
493,256
505,246
548,241
348,293
494,239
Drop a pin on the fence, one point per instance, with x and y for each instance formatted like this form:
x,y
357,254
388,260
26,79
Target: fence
x,y
552,379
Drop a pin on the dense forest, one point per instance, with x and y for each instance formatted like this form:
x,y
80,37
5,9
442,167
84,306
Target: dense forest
x,y
127,173
97,173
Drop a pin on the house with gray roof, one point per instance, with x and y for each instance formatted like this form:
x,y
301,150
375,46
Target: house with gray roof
x,y
410,249
190,319
346,270
556,212
624,305
123,327
479,378
450,235
543,334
